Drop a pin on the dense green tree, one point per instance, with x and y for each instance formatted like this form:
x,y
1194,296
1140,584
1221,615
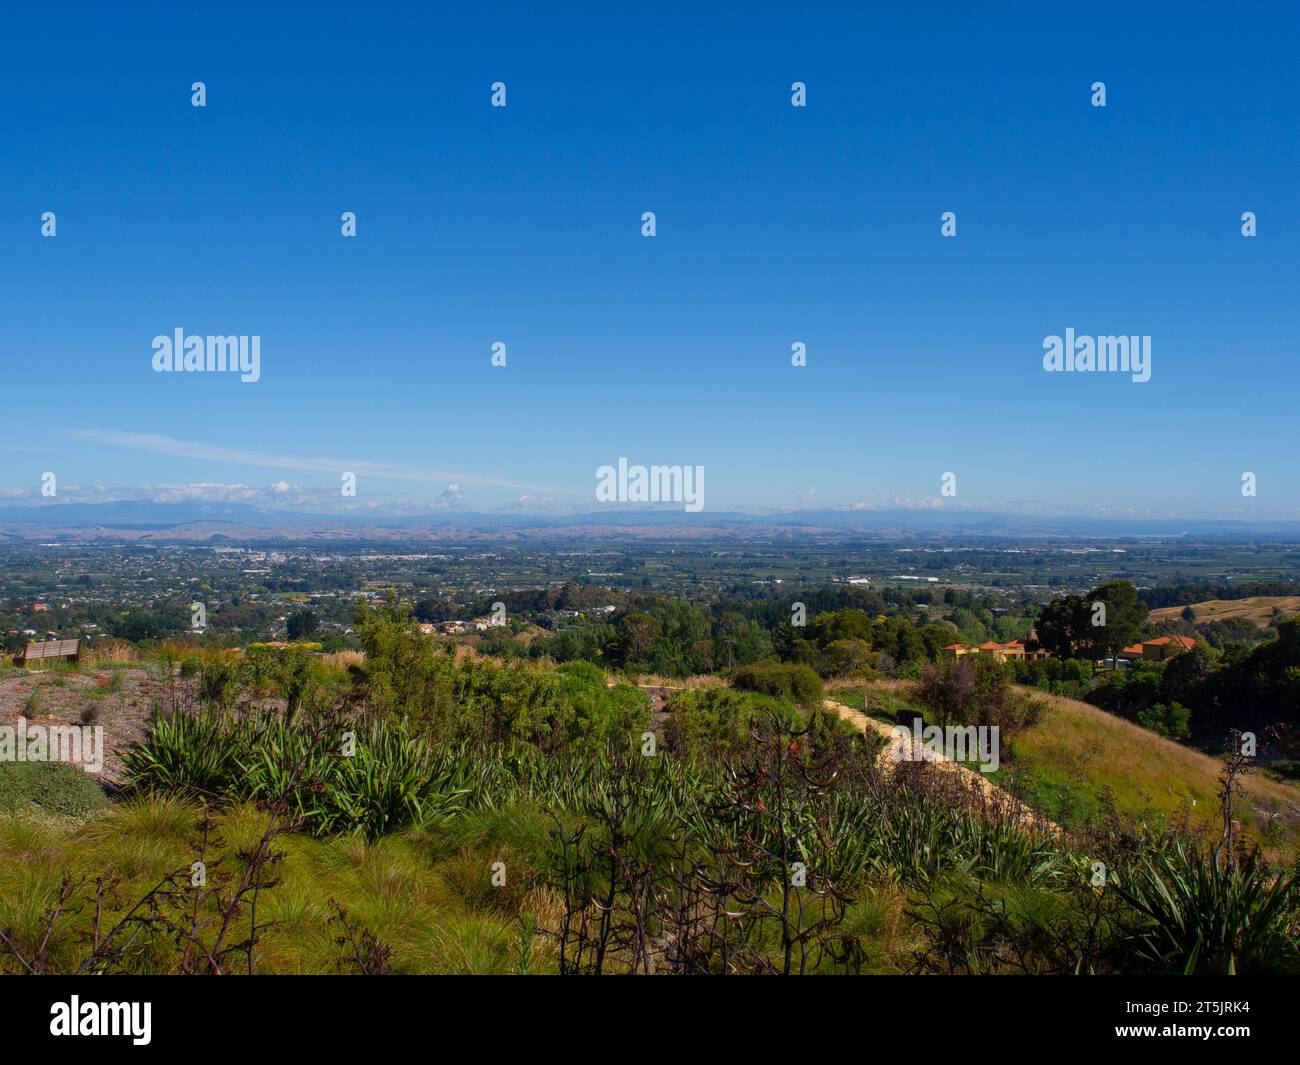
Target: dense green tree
x,y
969,627
847,657
432,611
1186,672
935,637
301,625
840,625
1121,621
740,640
1171,720
1128,692
1059,626
638,634
792,645
897,638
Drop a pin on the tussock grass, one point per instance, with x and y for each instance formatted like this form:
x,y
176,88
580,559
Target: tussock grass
x,y
341,660
423,896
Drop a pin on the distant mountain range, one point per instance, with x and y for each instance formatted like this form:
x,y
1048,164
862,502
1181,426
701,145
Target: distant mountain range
x,y
235,522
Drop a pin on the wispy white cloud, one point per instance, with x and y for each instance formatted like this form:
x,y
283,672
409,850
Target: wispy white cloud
x,y
165,445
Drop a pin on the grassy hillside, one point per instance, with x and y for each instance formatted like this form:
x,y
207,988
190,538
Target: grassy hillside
x,y
1258,609
1078,757
1077,761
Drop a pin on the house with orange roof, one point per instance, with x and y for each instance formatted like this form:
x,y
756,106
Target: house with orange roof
x,y
1158,650
1015,650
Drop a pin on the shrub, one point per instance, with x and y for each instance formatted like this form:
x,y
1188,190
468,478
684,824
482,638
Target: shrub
x,y
709,723
1070,677
53,787
1171,720
408,678
973,690
717,722
220,675
781,680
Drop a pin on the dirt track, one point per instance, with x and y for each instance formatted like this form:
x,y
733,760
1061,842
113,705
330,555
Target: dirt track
x,y
900,747
895,750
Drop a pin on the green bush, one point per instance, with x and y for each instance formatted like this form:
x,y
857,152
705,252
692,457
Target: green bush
x,y
710,723
53,787
717,722
412,679
781,680
1171,720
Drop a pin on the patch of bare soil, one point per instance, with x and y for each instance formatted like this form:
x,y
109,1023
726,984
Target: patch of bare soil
x,y
121,707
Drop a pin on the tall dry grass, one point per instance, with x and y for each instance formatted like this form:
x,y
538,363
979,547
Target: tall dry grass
x,y
109,652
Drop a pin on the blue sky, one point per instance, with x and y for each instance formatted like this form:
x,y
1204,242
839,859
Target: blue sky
x,y
775,224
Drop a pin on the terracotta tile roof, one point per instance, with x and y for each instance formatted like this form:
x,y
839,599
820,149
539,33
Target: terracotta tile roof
x,y
1186,642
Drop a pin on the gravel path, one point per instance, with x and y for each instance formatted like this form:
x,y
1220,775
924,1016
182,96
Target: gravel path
x,y
901,748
